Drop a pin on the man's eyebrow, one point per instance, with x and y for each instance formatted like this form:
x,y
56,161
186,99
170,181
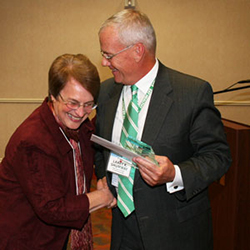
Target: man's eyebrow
x,y
105,52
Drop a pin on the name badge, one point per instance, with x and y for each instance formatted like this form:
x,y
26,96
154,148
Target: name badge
x,y
119,165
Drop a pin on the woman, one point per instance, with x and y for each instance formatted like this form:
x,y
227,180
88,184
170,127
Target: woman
x,y
46,172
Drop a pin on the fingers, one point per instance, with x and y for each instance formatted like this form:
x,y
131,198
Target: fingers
x,y
153,174
103,186
113,203
102,183
99,185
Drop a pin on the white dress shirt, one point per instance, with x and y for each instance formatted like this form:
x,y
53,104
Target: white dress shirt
x,y
143,87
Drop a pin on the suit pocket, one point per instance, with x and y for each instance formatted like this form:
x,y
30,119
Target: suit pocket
x,y
193,209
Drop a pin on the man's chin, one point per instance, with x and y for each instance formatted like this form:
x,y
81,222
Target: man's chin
x,y
117,77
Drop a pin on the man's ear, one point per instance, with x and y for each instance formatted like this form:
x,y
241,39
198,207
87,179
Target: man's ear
x,y
139,51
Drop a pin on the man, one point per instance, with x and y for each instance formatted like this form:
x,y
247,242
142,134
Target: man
x,y
178,119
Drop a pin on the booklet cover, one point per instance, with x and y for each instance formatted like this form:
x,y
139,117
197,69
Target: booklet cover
x,y
133,149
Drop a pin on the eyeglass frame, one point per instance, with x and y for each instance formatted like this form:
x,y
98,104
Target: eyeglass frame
x,y
84,105
107,57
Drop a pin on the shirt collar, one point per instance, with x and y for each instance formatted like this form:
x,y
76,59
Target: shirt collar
x,y
144,83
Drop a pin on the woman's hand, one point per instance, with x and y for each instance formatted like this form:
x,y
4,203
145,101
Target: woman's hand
x,y
101,197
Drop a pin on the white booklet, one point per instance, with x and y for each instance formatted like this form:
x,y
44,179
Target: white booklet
x,y
116,148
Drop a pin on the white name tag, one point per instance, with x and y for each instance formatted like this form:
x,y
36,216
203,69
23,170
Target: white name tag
x,y
114,180
119,165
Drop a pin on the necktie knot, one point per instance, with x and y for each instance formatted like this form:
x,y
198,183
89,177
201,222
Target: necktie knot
x,y
134,90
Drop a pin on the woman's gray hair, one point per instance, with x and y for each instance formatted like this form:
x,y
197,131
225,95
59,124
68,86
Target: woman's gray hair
x,y
133,27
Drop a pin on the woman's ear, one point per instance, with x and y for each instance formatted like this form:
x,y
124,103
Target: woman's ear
x,y
52,98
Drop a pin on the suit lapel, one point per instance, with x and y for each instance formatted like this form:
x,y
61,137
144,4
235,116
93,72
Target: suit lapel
x,y
158,109
159,106
110,109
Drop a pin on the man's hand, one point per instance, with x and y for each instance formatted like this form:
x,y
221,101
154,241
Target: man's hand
x,y
102,184
153,174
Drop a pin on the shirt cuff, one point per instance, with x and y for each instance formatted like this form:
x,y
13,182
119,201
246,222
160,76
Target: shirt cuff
x,y
177,183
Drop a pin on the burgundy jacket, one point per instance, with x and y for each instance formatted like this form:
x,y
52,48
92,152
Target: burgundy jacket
x,y
38,201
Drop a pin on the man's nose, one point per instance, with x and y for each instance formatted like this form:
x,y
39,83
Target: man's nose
x,y
105,62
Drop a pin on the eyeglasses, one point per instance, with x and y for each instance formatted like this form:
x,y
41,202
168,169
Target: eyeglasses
x,y
110,56
88,106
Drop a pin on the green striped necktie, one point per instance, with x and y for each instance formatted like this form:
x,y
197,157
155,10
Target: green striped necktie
x,y
130,127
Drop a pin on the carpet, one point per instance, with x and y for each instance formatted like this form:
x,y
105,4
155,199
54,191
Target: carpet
x,y
101,225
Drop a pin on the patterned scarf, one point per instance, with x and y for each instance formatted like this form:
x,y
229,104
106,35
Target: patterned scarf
x,y
79,239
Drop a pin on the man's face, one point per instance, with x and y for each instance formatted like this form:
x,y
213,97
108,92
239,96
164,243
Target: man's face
x,y
123,64
73,93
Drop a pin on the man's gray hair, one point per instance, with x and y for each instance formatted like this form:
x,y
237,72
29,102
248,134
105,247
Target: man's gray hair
x,y
133,27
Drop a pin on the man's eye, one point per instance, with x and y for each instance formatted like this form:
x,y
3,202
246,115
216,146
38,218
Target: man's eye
x,y
108,55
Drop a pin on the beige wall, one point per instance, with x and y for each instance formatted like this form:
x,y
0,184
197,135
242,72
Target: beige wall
x,y
208,39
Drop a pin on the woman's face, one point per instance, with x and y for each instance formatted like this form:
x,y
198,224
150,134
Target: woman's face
x,y
72,93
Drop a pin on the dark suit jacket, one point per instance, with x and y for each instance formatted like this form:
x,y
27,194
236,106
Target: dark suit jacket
x,y
182,124
38,205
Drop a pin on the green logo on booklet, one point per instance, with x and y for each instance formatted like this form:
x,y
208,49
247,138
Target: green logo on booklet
x,y
140,148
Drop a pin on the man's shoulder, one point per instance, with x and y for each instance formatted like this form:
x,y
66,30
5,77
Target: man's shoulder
x,y
108,84
180,81
108,81
177,74
110,87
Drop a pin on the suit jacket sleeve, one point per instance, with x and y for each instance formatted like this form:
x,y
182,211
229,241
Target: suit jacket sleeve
x,y
211,157
187,129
